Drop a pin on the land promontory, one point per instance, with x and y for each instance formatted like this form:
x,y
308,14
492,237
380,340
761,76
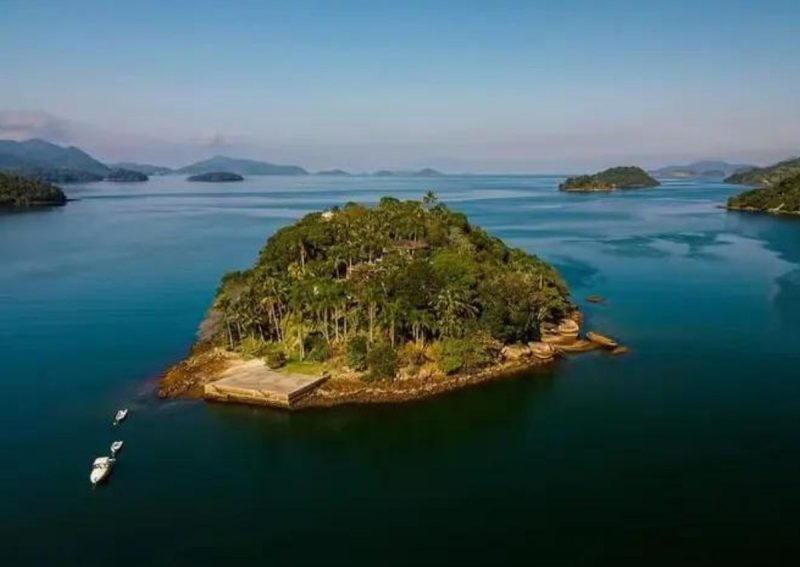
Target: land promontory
x,y
611,179
780,198
767,176
216,177
22,192
392,302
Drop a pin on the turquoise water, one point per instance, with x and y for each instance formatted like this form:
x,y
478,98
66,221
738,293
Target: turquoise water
x,y
684,452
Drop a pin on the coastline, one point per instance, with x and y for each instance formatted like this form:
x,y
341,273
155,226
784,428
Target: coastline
x,y
762,211
206,365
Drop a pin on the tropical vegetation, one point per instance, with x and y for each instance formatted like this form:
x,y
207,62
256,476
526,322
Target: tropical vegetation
x,y
767,176
377,289
783,197
19,192
610,180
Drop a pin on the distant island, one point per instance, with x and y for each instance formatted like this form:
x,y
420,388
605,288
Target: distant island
x,y
700,169
145,168
610,180
20,192
781,198
767,176
126,176
241,166
39,159
427,172
216,177
399,301
334,173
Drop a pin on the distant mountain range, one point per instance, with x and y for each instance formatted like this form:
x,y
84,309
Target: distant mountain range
x,y
707,169
241,166
41,156
427,172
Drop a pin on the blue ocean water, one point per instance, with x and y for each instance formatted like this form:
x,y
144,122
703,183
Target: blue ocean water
x,y
683,452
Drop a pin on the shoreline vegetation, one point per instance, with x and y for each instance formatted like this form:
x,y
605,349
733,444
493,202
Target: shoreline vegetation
x,y
17,192
400,301
781,198
613,179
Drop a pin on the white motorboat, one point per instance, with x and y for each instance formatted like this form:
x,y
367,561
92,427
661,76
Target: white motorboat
x,y
100,469
116,446
121,414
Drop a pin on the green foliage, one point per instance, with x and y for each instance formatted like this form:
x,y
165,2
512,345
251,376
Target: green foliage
x,y
216,177
783,197
275,357
399,272
381,362
610,179
16,191
357,348
461,354
767,176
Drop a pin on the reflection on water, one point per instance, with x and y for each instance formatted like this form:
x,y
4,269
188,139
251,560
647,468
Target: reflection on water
x,y
674,452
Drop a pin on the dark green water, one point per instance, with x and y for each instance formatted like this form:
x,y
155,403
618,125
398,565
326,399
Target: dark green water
x,y
685,452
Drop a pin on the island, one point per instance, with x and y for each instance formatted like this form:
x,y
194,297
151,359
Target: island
x,y
709,169
782,198
126,176
19,192
216,177
389,303
333,173
609,180
767,176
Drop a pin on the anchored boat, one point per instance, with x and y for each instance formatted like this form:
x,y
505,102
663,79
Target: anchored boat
x,y
121,414
116,446
101,468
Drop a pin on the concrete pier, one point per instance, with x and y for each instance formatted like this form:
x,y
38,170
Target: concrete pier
x,y
251,382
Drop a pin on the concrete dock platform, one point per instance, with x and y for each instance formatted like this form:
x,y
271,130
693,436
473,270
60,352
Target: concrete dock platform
x,y
251,382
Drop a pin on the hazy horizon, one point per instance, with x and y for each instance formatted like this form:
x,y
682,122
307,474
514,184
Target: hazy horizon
x,y
461,87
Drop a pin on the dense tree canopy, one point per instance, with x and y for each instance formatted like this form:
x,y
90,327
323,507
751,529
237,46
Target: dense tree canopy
x,y
17,191
216,177
767,176
784,197
610,179
400,273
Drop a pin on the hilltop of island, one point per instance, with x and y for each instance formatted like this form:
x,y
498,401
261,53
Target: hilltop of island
x,y
216,177
392,302
709,169
426,172
334,173
20,192
780,198
241,166
767,176
610,180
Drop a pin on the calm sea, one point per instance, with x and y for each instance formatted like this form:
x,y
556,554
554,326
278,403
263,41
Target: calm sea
x,y
684,452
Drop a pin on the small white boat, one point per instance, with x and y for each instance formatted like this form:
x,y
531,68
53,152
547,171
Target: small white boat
x,y
116,446
100,469
121,414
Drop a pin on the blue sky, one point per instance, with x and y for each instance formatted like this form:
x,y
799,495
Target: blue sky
x,y
464,86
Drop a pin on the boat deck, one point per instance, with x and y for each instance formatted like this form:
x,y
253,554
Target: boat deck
x,y
251,382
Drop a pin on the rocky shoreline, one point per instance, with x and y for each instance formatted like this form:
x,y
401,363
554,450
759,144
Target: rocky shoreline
x,y
207,364
762,211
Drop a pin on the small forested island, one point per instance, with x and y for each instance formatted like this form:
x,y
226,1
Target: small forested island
x,y
333,173
610,180
216,177
126,176
398,301
767,176
781,198
21,192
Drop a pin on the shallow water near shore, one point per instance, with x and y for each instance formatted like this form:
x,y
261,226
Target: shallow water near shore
x,y
684,451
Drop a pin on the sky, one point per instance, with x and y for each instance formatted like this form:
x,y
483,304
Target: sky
x,y
557,86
